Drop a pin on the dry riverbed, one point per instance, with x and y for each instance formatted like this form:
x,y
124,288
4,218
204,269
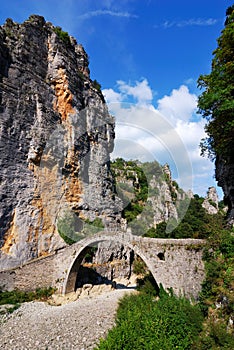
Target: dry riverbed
x,y
75,325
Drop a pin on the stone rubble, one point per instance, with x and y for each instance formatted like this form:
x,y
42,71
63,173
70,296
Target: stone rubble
x,y
76,325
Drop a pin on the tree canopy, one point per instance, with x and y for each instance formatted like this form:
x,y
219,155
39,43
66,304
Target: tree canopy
x,y
216,102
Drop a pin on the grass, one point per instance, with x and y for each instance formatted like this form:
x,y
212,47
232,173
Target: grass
x,y
144,322
16,297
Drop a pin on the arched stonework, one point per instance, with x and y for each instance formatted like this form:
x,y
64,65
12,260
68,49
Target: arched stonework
x,y
174,263
70,280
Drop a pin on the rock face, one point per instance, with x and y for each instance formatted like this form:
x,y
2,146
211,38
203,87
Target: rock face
x,y
224,173
151,188
211,202
114,261
55,138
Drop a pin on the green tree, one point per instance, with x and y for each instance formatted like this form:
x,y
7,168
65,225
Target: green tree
x,y
216,103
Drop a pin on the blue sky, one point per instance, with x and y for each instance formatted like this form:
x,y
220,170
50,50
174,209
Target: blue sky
x,y
146,54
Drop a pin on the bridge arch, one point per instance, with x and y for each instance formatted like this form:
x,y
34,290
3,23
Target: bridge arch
x,y
84,245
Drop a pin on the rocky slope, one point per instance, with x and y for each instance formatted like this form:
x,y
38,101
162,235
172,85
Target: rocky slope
x,y
149,193
55,138
211,201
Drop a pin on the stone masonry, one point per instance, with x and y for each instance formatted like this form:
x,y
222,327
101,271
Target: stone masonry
x,y
174,263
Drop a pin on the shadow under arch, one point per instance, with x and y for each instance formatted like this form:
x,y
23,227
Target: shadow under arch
x,y
71,277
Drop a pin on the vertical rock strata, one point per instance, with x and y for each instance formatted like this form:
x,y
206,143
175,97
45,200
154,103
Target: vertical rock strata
x,y
224,173
55,139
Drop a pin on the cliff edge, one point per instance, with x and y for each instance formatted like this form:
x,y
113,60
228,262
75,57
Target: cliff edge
x,y
55,139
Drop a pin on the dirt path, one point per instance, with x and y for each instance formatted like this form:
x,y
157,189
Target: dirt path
x,y
76,325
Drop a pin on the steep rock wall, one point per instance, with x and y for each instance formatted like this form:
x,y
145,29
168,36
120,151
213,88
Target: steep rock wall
x,y
224,173
55,138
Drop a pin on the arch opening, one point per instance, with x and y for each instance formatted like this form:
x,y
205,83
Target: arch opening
x,y
88,272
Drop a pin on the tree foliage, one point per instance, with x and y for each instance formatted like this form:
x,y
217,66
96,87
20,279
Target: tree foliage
x,y
217,295
216,103
196,223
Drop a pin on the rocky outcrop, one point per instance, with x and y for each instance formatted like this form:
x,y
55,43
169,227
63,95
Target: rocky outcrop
x,y
55,138
113,261
148,188
224,173
163,202
211,201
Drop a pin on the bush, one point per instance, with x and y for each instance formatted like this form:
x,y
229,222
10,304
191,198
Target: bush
x,y
147,285
97,85
16,296
144,323
64,36
196,223
139,266
92,227
218,289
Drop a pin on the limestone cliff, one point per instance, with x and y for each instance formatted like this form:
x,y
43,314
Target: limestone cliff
x,y
224,173
55,138
149,193
211,201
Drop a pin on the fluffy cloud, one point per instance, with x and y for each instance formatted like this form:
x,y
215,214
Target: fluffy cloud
x,y
141,91
179,105
166,132
112,96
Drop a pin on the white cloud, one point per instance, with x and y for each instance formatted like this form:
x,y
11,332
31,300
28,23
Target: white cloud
x,y
112,96
166,132
97,13
179,105
191,22
140,91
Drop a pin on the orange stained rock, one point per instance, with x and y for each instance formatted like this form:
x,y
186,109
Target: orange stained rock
x,y
11,236
63,103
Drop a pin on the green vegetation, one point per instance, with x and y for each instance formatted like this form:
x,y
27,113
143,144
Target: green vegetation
x,y
217,296
97,85
139,266
16,297
196,223
134,197
72,229
143,322
156,319
216,103
92,227
147,284
64,36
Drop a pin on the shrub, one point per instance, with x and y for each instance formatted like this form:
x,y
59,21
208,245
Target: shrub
x,y
147,285
97,85
218,289
144,323
16,296
64,36
139,266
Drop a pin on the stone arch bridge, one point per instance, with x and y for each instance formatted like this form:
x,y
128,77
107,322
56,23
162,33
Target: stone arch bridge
x,y
174,263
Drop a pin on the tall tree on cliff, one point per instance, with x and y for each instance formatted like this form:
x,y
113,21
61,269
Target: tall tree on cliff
x,y
216,104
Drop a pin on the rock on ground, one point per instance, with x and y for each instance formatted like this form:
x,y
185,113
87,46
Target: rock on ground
x,y
77,325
